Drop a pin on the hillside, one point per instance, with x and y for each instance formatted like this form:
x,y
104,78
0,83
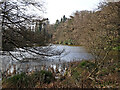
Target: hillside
x,y
97,30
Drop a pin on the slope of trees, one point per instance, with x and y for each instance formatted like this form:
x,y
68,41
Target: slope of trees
x,y
97,30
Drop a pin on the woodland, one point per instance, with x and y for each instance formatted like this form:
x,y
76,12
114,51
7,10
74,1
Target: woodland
x,y
98,31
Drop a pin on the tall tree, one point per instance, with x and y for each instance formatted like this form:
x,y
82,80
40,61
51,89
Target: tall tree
x,y
64,18
15,18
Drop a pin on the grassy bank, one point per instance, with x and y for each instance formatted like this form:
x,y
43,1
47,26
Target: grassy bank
x,y
83,74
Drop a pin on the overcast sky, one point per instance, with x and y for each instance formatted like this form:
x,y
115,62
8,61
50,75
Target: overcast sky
x,y
57,8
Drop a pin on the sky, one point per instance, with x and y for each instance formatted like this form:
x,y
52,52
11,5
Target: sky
x,y
55,9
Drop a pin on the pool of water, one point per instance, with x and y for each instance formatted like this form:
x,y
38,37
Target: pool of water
x,y
34,61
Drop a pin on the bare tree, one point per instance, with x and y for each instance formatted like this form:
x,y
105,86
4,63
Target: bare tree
x,y
15,20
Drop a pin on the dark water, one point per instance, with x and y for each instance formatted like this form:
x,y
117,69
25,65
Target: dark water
x,y
34,61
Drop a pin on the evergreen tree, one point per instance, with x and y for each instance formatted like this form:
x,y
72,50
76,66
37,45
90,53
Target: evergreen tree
x,y
40,27
61,20
57,21
64,18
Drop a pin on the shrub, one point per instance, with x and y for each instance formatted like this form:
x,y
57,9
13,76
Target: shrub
x,y
19,80
87,64
26,81
116,48
42,76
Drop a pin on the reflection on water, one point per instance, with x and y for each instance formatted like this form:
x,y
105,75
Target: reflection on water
x,y
72,53
36,62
